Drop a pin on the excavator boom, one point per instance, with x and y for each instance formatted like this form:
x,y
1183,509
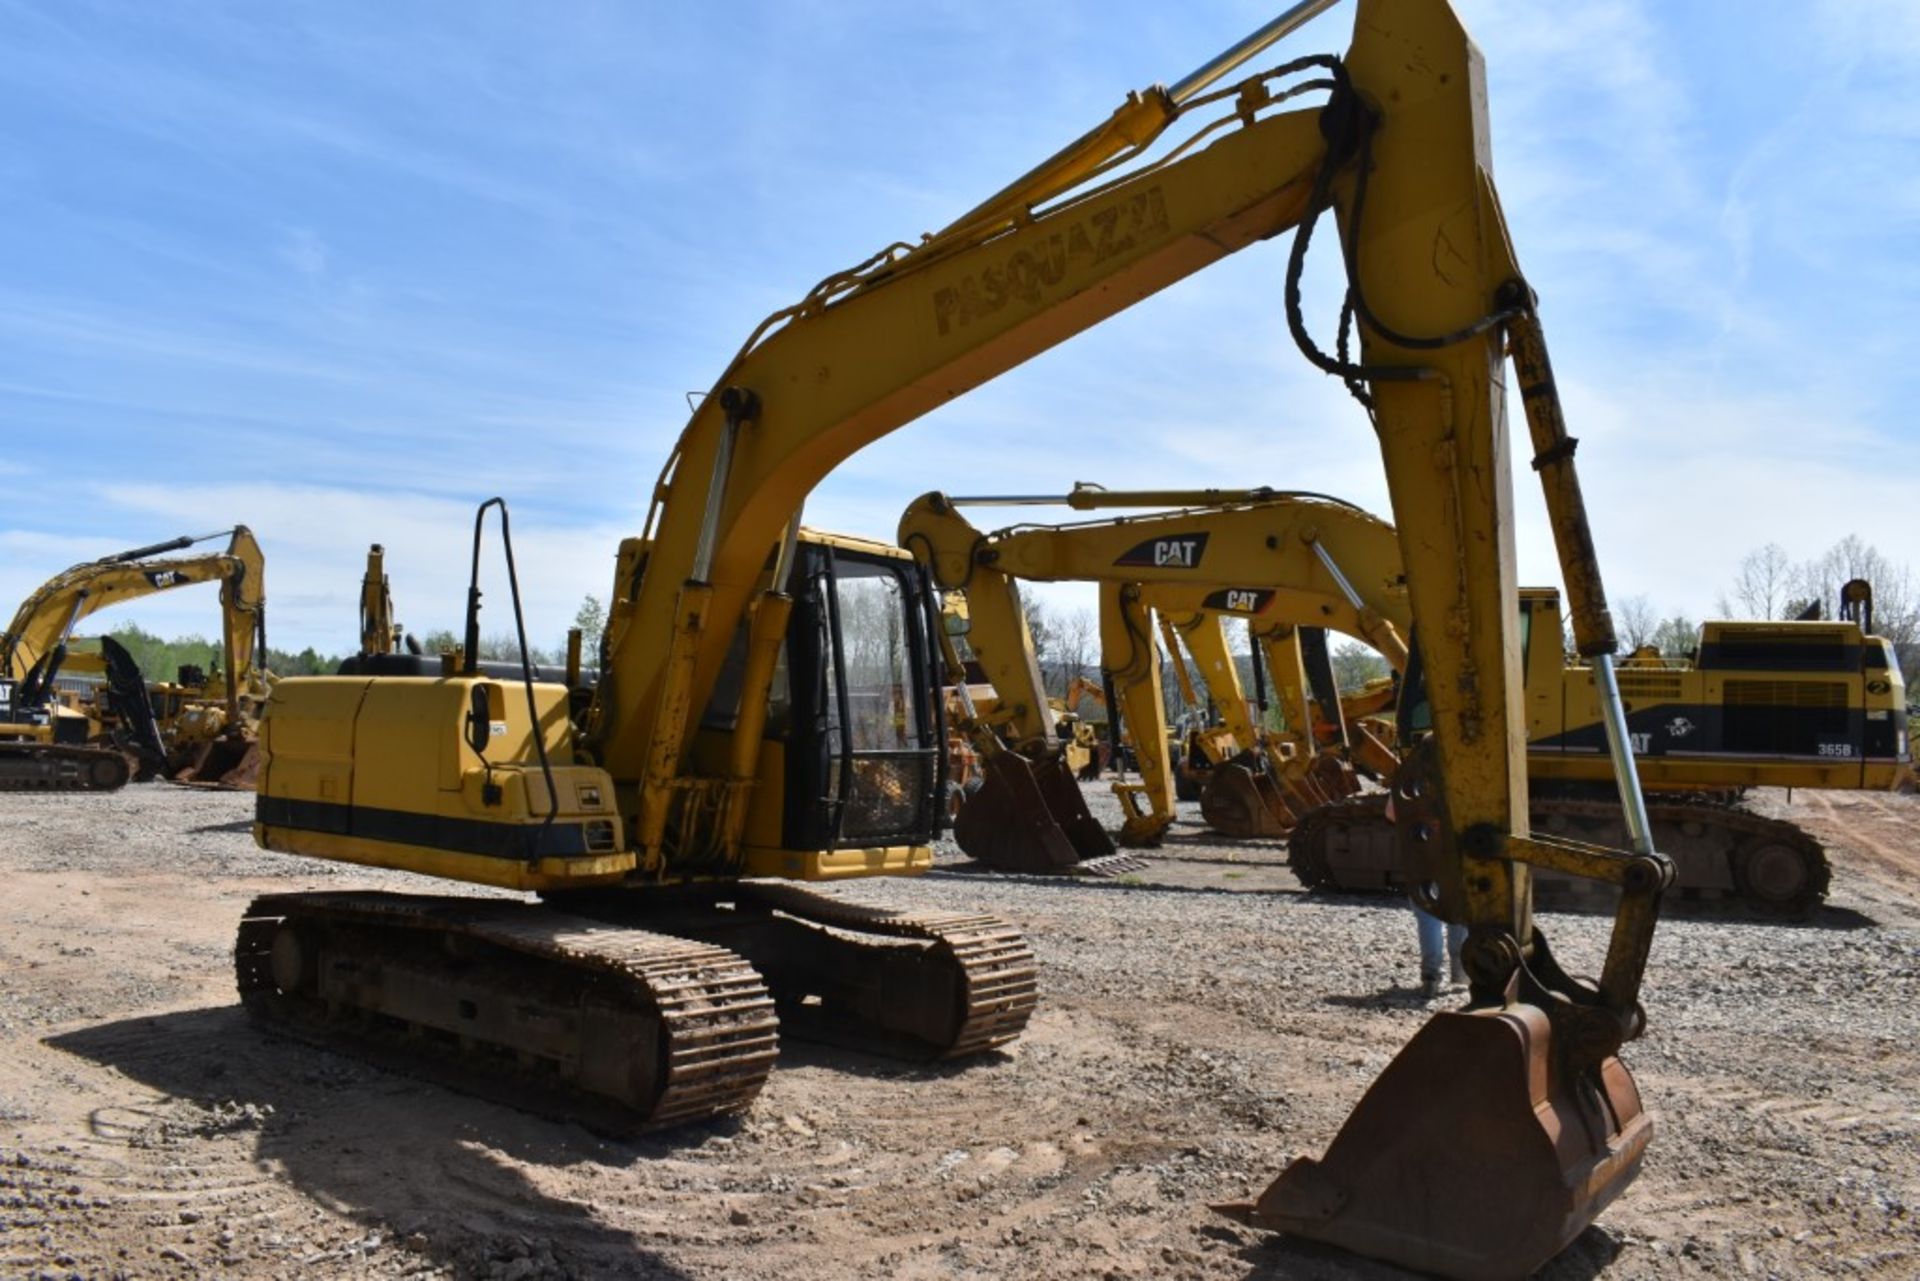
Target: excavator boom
x,y
660,784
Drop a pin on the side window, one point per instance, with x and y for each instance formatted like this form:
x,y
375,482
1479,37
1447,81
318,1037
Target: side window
x,y
882,702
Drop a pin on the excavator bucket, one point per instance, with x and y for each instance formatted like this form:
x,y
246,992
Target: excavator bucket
x,y
228,763
1333,776
1473,1156
1029,816
1243,802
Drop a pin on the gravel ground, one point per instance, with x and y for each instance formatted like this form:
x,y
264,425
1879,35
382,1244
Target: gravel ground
x,y
1201,1022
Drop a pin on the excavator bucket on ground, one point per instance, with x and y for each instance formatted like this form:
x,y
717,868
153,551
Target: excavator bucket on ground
x,y
1028,816
1474,1155
230,763
1243,801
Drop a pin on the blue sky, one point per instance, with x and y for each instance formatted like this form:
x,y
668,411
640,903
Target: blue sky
x,y
339,271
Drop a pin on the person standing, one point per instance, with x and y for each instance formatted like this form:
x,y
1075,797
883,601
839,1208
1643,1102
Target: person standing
x,y
1439,950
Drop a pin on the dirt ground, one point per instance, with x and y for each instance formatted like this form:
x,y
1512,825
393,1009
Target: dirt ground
x,y
1201,1023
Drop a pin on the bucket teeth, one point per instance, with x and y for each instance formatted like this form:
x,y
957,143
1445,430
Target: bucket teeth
x,y
1111,866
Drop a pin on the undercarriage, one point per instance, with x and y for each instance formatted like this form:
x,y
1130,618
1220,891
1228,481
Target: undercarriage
x,y
627,1011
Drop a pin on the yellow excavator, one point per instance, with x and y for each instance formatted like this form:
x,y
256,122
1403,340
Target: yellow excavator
x,y
767,705
1794,704
1301,552
1267,776
1813,704
204,734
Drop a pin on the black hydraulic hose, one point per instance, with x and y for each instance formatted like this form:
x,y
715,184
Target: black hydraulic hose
x,y
526,662
1259,676
1113,719
1349,125
928,666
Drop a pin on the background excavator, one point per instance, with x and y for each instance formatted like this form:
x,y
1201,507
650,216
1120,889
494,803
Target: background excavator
x,y
1796,704
1793,704
704,760
1271,774
1259,544
189,730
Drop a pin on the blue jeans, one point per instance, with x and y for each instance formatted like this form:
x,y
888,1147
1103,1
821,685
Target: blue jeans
x,y
1437,945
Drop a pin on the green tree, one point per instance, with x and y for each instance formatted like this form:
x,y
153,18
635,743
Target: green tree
x,y
591,619
1677,637
1355,664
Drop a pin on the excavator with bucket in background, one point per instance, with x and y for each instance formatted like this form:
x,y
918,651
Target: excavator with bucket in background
x,y
1274,774
1803,704
189,732
736,738
1300,553
1797,704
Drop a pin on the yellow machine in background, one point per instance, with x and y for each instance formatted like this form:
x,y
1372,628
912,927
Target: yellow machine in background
x,y
200,731
1253,546
637,988
1272,775
1761,704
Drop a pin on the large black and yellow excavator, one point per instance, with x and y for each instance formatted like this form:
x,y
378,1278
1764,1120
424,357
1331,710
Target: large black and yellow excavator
x,y
44,746
1287,552
1794,704
766,705
1807,703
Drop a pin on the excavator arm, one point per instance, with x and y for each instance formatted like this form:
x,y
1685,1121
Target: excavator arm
x,y
1130,657
871,348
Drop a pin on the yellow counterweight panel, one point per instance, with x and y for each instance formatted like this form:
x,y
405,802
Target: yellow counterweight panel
x,y
382,773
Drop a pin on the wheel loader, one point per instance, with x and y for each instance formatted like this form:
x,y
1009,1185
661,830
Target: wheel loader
x,y
735,740
192,730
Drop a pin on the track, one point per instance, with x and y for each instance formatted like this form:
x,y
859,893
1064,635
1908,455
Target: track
x,y
992,965
622,1029
913,985
59,767
1723,856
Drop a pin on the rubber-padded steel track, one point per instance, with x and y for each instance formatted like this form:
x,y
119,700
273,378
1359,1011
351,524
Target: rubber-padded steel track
x,y
704,1011
1724,856
997,968
61,767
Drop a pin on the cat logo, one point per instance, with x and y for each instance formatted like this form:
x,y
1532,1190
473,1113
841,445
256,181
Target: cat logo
x,y
1238,600
1181,551
1642,743
6,698
164,578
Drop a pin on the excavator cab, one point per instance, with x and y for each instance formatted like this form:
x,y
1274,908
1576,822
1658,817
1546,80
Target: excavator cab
x,y
855,714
